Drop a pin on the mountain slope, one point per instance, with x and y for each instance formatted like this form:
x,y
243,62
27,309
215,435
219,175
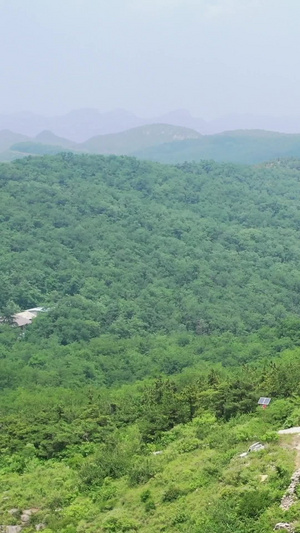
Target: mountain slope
x,y
171,304
238,147
7,138
47,137
146,247
137,139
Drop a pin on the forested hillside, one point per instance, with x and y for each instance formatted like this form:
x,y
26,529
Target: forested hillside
x,y
171,297
121,246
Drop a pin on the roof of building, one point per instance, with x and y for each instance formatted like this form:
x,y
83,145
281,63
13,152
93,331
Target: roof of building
x,y
21,321
25,317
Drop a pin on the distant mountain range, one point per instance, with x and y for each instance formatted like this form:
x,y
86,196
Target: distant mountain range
x,y
82,124
241,146
161,142
141,138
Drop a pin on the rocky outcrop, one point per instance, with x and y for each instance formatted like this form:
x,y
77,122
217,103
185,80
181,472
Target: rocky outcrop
x,y
25,517
290,495
284,526
10,529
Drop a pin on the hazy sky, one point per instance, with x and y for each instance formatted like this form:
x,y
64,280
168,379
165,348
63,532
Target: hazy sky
x,y
212,57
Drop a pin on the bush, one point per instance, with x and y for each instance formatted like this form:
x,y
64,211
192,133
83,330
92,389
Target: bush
x,y
146,495
270,436
279,411
120,524
171,494
141,471
253,503
180,518
150,506
187,445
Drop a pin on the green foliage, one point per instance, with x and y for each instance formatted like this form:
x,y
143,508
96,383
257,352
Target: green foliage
x,y
145,495
163,344
141,471
198,241
120,524
253,503
171,494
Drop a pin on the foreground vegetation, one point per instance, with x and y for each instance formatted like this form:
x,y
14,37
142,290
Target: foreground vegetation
x,y
84,455
173,304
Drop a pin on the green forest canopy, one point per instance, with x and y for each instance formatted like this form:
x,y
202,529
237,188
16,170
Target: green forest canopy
x,y
123,246
174,304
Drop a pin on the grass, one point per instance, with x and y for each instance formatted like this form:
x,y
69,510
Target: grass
x,y
184,494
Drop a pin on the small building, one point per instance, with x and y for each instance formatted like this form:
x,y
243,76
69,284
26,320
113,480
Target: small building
x,y
26,317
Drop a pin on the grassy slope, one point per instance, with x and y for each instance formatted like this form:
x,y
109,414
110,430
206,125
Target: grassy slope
x,y
198,483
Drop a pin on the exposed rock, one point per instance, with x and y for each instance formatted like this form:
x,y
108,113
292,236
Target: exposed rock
x,y
157,453
290,495
14,511
263,477
284,525
256,447
25,518
289,431
10,529
26,514
40,527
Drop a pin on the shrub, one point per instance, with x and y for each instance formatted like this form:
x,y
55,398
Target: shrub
x,y
146,495
150,506
270,436
279,411
253,503
141,471
120,524
179,518
187,445
171,494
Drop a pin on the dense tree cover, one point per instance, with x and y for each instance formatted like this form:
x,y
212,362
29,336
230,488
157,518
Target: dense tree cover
x,y
121,246
29,359
173,305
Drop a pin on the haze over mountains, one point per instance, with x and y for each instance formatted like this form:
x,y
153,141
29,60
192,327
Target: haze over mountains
x,y
163,143
173,138
82,124
13,146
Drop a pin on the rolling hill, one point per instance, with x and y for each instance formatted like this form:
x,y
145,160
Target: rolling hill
x,y
248,147
8,138
140,138
123,143
163,143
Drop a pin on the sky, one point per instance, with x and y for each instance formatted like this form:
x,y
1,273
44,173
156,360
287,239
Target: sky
x,y
212,57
